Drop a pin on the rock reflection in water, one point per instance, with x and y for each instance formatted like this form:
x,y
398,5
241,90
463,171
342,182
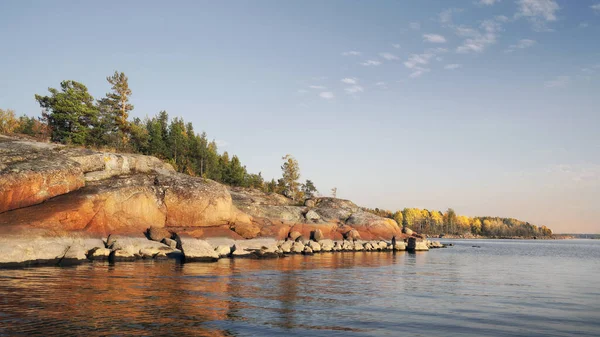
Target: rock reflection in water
x,y
192,299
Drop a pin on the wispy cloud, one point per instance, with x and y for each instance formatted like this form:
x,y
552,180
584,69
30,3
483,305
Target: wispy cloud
x,y
452,66
382,85
418,72
389,56
326,95
319,87
487,2
417,62
418,59
596,8
414,25
558,82
351,53
445,17
584,25
434,38
354,89
502,18
538,12
578,173
302,91
369,63
522,44
478,40
349,80
395,45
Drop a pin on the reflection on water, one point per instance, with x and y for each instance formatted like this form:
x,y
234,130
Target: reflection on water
x,y
453,291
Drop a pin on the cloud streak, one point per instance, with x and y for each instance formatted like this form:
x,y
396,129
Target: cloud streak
x,y
522,44
389,56
434,38
326,95
538,12
369,63
452,66
477,40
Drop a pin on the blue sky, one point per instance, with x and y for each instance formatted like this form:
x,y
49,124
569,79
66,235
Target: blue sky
x,y
489,107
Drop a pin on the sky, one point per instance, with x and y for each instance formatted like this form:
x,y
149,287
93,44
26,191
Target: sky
x,y
490,107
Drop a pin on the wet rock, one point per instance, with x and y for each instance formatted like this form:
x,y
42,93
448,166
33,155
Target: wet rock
x,y
223,250
315,246
358,246
337,246
400,246
286,247
298,247
169,242
347,245
121,256
195,250
368,246
326,245
258,248
98,253
416,244
307,251
382,245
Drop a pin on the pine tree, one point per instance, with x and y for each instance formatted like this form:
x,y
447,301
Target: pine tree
x,y
70,112
117,104
291,174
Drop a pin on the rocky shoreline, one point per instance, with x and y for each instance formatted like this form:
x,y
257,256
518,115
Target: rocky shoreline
x,y
63,251
64,205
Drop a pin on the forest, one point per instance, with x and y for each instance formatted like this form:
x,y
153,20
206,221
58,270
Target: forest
x,y
72,116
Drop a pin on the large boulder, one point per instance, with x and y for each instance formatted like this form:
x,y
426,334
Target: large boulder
x,y
416,244
157,233
195,250
297,247
25,251
317,235
326,245
352,234
246,230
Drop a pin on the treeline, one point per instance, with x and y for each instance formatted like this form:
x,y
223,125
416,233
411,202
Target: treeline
x,y
435,223
71,115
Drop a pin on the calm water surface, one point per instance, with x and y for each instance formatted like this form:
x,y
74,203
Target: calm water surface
x,y
503,288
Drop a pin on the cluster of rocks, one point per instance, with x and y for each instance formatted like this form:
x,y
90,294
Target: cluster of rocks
x,y
160,244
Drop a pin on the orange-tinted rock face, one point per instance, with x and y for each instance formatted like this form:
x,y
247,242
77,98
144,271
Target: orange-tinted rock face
x,y
32,178
94,210
43,187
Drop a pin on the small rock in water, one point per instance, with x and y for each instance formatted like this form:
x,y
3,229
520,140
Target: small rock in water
x,y
223,250
298,247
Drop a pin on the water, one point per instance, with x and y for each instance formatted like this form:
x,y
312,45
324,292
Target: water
x,y
503,288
